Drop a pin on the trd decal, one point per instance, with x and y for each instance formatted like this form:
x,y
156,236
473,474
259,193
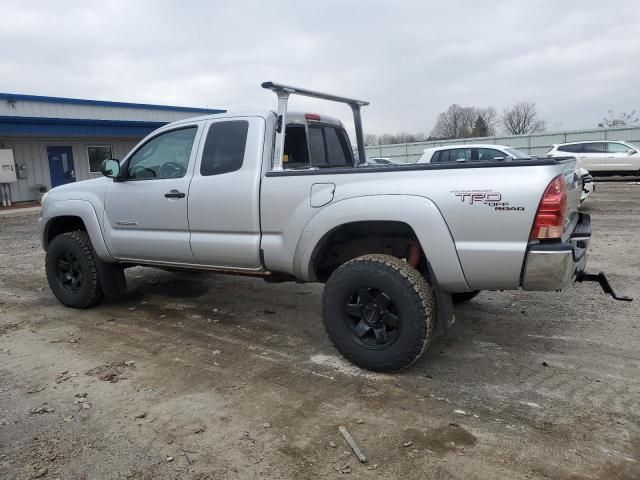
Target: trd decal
x,y
485,197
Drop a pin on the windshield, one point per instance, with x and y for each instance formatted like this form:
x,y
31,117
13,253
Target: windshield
x,y
515,153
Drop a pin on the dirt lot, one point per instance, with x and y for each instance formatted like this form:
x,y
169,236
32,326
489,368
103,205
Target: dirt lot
x,y
209,376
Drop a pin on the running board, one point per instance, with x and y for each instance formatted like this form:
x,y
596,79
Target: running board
x,y
602,279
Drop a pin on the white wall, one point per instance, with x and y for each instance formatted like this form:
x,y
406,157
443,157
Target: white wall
x,y
33,154
24,108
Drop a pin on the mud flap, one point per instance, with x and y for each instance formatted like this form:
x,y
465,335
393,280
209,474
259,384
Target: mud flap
x,y
603,281
112,279
445,312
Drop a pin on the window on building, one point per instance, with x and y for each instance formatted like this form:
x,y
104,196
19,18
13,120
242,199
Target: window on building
x,y
98,154
224,149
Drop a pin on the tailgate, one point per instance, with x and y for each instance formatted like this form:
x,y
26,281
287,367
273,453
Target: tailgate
x,y
573,186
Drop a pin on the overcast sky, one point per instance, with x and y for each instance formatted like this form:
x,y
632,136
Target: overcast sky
x,y
575,59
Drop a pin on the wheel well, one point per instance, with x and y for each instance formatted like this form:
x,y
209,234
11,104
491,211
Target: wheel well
x,y
354,239
60,225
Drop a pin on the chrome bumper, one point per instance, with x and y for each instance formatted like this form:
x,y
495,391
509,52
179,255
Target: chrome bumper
x,y
551,266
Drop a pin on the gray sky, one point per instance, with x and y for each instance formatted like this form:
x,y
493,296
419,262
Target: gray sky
x,y
576,59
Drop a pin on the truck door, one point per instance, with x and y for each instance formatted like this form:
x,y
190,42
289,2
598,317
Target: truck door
x,y
592,156
224,212
145,216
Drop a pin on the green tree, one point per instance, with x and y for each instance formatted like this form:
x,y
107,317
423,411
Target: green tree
x,y
480,127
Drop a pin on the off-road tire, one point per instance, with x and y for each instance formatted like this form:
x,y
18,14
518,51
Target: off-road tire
x,y
406,288
462,297
79,245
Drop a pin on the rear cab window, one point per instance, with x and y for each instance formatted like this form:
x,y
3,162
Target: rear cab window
x,y
316,146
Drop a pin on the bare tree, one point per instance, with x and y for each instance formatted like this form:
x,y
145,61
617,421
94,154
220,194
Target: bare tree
x,y
371,139
456,122
391,138
459,122
522,118
621,120
490,118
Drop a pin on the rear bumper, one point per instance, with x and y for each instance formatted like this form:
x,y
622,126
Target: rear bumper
x,y
551,266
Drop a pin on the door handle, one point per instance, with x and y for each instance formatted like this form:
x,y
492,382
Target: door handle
x,y
174,194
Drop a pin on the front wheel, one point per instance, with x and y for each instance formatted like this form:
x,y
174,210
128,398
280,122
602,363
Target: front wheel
x,y
72,271
378,311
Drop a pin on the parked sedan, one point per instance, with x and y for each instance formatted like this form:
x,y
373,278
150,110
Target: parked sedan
x,y
603,157
487,152
470,153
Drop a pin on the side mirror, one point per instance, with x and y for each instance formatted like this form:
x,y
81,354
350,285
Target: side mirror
x,y
631,151
110,168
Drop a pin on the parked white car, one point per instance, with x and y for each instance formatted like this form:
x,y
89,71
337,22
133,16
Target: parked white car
x,y
483,152
480,152
601,157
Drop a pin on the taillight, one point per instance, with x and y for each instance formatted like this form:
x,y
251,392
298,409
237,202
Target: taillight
x,y
312,116
549,221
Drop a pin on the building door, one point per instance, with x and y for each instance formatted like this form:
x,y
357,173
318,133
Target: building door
x,y
61,166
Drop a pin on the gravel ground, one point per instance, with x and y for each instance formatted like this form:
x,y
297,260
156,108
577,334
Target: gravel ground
x,y
209,376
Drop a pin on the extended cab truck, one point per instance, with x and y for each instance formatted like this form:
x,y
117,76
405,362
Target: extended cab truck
x,y
279,195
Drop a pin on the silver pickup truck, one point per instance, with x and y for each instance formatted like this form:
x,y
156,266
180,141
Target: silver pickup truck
x,y
279,195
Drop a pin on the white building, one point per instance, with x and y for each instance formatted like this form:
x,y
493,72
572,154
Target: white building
x,y
55,140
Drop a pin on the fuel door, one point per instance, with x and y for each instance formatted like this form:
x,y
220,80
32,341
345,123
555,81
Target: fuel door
x,y
322,194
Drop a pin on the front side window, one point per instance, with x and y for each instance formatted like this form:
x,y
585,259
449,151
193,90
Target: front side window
x,y
488,154
164,156
224,148
515,153
96,156
593,148
460,154
617,148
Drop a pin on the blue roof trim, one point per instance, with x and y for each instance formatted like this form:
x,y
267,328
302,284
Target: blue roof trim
x,y
102,103
69,127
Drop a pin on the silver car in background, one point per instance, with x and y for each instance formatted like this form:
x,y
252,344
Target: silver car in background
x,y
601,157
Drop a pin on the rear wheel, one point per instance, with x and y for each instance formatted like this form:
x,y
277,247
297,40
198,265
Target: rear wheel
x,y
378,311
463,297
71,269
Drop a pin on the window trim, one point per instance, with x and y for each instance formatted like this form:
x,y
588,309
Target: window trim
x,y
124,167
87,147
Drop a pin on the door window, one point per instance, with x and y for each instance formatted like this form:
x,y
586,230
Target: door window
x,y
488,154
164,156
617,148
593,148
574,148
460,154
224,148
